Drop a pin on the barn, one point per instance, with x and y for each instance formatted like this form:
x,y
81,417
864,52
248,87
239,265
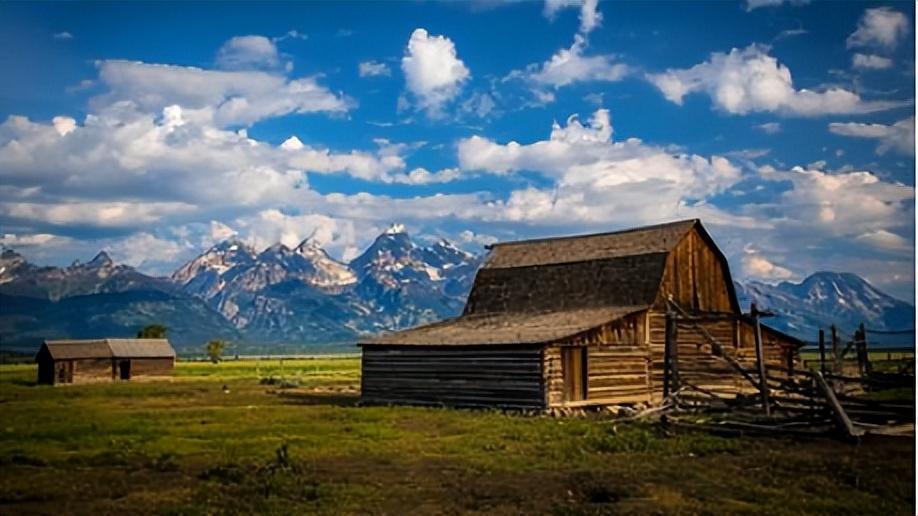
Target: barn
x,y
82,361
591,320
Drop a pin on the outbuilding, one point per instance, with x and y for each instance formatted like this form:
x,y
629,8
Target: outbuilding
x,y
81,361
602,319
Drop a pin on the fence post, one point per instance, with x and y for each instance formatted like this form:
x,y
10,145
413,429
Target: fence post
x,y
671,356
868,369
835,357
760,359
822,351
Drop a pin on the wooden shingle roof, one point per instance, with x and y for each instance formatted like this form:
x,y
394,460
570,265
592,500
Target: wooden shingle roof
x,y
544,290
506,328
660,238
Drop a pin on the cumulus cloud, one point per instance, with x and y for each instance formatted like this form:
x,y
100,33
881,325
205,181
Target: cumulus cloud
x,y
880,27
899,136
769,127
757,266
64,36
597,179
248,53
214,96
434,74
569,65
838,203
749,80
373,69
590,17
870,62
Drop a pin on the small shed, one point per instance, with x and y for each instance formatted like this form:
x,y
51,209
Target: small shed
x,y
82,361
578,321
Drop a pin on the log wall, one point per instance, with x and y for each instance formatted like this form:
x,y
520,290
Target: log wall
x,y
698,366
461,376
150,366
87,370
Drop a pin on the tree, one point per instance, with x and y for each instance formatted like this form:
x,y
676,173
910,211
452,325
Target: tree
x,y
215,350
152,331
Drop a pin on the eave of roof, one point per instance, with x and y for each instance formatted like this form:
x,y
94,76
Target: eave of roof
x,y
506,328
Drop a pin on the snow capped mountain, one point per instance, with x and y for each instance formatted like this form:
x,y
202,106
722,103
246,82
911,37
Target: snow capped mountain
x,y
284,296
826,298
329,273
13,265
99,275
404,284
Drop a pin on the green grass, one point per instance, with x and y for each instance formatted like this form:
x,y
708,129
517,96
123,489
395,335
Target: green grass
x,y
189,446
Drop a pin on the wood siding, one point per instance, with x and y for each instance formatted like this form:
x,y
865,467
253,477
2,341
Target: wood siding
x,y
151,366
90,370
461,376
695,277
700,368
617,366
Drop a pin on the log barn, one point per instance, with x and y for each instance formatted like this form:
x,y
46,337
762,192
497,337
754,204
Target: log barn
x,y
591,320
83,361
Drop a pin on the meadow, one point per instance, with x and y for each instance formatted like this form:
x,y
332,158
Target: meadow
x,y
289,437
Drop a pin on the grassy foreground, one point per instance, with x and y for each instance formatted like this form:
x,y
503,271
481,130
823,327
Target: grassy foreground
x,y
215,440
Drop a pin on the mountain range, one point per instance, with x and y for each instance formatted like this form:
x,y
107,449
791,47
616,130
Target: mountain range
x,y
284,299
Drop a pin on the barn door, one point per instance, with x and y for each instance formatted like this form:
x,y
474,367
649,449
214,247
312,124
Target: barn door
x,y
124,368
574,367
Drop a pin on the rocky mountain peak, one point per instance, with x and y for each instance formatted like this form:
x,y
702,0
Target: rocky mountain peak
x,y
395,229
101,260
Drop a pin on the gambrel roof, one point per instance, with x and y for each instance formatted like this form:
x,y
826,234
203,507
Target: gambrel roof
x,y
573,283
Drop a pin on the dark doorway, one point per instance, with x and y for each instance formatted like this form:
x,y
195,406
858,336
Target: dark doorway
x,y
574,368
124,369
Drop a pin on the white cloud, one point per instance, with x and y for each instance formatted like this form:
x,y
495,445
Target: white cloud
x,y
13,240
597,179
755,4
885,240
145,250
434,74
479,104
880,27
839,203
113,214
63,124
899,136
64,36
569,65
870,62
248,53
221,97
590,17
373,69
757,266
769,127
749,80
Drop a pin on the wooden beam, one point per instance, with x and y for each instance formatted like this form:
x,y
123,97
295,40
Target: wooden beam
x,y
841,417
717,349
760,361
822,351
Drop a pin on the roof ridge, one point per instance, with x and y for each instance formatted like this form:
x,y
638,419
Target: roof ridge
x,y
588,235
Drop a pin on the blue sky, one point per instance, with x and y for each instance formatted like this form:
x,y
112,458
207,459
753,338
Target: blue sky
x,y
154,130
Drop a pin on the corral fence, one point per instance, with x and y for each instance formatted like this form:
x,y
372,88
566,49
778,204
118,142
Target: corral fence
x,y
830,394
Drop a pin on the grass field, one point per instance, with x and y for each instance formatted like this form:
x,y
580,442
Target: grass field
x,y
213,439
